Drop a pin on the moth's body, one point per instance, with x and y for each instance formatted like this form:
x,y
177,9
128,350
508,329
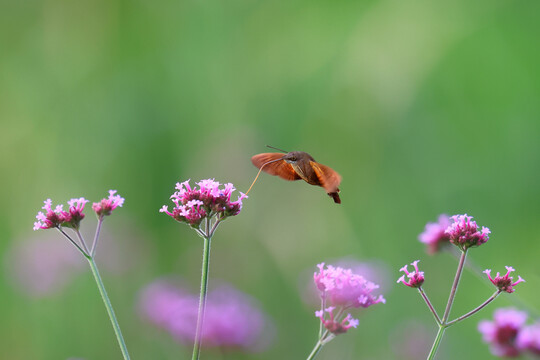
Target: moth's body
x,y
298,165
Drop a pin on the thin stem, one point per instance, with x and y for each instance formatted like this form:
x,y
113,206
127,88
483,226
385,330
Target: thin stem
x,y
218,221
472,312
321,323
96,236
315,350
454,286
436,343
109,308
73,242
202,298
430,306
83,243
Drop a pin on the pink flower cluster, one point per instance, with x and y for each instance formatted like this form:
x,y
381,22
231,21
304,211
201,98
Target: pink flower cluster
x,y
106,206
336,327
507,334
464,233
232,320
57,217
192,205
506,282
341,289
416,278
434,235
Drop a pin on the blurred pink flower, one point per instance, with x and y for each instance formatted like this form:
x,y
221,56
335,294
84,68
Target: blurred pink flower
x,y
376,271
506,282
341,289
501,333
464,233
529,339
232,319
434,234
43,265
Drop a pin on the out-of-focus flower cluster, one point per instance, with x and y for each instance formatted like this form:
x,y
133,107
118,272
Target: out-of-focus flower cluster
x,y
57,217
459,230
231,320
508,336
42,265
341,289
192,205
434,234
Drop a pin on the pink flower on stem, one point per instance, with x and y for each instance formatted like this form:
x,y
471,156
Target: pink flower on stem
x,y
464,233
529,339
107,205
504,283
416,278
336,327
434,234
74,215
51,218
342,289
192,205
501,333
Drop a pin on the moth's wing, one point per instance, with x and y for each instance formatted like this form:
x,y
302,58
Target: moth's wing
x,y
273,164
328,178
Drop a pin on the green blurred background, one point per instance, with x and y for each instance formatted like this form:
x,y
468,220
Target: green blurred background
x,y
423,107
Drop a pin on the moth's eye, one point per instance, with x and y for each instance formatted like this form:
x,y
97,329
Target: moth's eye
x,y
293,158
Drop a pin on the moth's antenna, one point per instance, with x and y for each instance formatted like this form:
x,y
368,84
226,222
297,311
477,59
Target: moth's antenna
x,y
256,177
275,148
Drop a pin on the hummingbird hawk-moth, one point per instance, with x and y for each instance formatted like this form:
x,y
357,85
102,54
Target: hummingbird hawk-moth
x,y
299,165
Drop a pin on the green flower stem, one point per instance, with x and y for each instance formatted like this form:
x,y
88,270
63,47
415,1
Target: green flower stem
x,y
202,298
83,243
72,242
109,307
444,324
472,312
315,350
430,306
96,236
437,342
454,286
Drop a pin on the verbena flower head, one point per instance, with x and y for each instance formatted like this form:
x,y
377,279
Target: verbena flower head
x,y
50,218
74,215
434,234
501,333
336,327
107,205
342,289
506,282
464,233
193,205
529,339
415,278
232,319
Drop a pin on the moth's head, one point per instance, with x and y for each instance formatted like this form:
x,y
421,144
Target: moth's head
x,y
291,157
295,156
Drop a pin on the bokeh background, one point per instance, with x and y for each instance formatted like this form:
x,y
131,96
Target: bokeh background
x,y
423,107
